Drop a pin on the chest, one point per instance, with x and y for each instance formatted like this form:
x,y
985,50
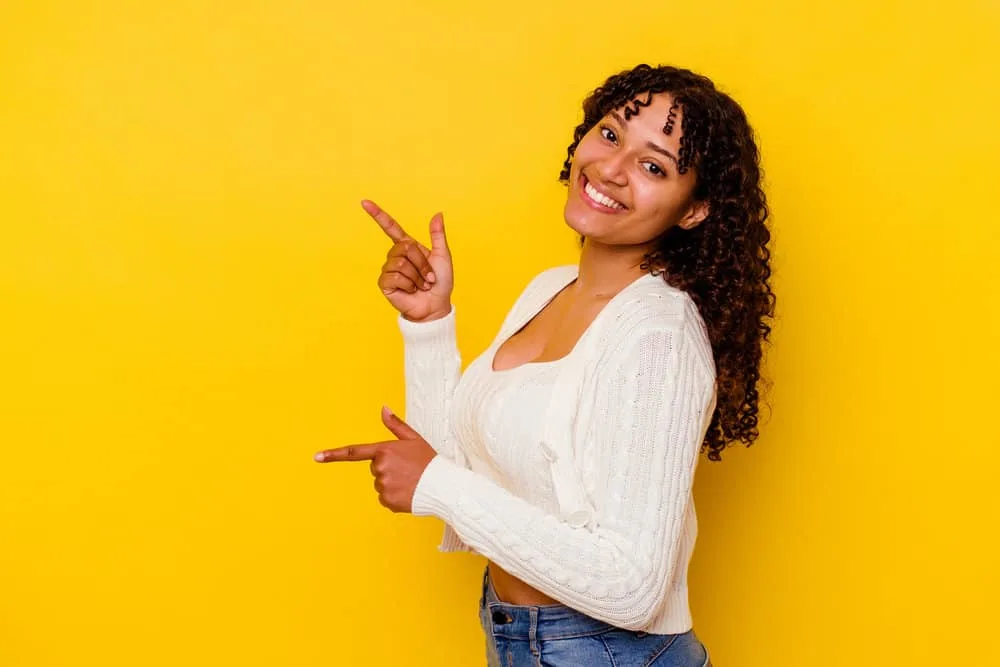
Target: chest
x,y
552,334
527,428
502,420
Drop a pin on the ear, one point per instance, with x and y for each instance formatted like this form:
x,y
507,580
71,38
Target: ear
x,y
695,215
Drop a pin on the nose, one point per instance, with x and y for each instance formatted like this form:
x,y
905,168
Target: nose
x,y
612,168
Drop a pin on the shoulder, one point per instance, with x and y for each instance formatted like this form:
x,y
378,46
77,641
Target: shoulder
x,y
542,287
658,318
552,279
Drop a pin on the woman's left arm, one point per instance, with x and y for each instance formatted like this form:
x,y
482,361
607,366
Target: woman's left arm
x,y
656,398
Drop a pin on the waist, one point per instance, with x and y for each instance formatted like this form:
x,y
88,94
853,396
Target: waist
x,y
556,620
538,621
509,589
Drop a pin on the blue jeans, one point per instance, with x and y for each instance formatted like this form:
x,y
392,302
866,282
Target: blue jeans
x,y
555,635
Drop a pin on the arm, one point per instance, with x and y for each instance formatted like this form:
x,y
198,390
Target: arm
x,y
432,367
648,425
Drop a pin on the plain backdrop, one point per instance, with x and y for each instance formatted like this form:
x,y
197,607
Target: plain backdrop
x,y
188,311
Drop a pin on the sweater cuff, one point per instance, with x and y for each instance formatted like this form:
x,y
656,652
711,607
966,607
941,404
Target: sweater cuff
x,y
438,489
451,542
439,330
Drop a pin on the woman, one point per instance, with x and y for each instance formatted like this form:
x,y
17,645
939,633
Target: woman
x,y
566,452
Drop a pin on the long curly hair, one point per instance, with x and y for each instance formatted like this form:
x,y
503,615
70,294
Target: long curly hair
x,y
724,262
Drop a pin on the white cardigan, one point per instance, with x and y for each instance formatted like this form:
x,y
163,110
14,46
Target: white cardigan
x,y
622,432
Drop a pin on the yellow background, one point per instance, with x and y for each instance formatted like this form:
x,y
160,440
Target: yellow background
x,y
189,311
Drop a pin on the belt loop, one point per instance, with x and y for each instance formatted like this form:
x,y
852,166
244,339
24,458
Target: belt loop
x,y
533,632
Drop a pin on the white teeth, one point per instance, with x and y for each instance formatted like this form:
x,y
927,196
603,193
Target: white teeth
x,y
599,198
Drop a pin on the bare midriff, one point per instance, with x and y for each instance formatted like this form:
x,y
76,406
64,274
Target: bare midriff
x,y
512,590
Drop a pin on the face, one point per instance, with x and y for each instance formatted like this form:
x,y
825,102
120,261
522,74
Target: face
x,y
624,187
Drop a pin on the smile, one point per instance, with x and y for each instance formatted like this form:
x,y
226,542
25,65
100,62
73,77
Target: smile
x,y
598,199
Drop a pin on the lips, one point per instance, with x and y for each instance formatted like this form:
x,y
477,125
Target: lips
x,y
598,199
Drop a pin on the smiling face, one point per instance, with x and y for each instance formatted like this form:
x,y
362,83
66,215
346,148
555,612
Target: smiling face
x,y
624,186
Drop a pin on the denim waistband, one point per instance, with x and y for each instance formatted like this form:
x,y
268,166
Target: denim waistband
x,y
535,622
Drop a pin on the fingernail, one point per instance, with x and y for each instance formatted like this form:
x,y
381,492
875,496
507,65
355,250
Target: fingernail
x,y
430,276
387,411
318,456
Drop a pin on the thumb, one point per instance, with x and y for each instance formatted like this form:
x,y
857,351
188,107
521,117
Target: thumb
x,y
439,241
399,428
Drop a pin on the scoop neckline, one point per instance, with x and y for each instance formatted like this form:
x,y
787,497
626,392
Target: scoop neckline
x,y
571,278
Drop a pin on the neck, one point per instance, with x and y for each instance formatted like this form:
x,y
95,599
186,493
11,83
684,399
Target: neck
x,y
606,270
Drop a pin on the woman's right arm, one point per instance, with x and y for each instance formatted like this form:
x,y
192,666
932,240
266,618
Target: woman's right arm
x,y
432,366
418,282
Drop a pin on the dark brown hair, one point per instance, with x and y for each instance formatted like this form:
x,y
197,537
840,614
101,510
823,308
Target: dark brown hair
x,y
724,262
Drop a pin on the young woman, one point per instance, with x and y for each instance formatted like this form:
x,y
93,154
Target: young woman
x,y
565,453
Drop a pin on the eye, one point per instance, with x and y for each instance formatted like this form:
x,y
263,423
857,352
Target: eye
x,y
609,134
654,169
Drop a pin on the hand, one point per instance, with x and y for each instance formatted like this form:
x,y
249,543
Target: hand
x,y
417,282
397,465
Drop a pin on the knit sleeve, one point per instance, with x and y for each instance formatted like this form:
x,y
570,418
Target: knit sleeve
x,y
648,424
432,366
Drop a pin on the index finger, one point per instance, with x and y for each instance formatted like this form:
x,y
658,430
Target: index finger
x,y
349,453
392,228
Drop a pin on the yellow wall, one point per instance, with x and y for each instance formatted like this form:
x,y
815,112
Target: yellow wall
x,y
189,311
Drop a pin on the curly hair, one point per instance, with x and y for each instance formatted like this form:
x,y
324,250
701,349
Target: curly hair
x,y
724,262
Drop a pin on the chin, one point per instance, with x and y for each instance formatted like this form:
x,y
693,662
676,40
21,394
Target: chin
x,y
587,222
582,226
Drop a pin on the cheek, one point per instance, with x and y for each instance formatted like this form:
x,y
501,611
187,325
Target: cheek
x,y
587,150
585,155
652,199
574,168
657,208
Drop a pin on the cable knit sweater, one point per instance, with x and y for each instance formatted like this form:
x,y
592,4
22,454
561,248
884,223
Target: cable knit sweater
x,y
574,475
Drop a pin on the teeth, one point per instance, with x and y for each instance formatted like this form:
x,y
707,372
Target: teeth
x,y
599,198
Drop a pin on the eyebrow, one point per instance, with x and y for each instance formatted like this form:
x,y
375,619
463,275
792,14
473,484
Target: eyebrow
x,y
649,144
